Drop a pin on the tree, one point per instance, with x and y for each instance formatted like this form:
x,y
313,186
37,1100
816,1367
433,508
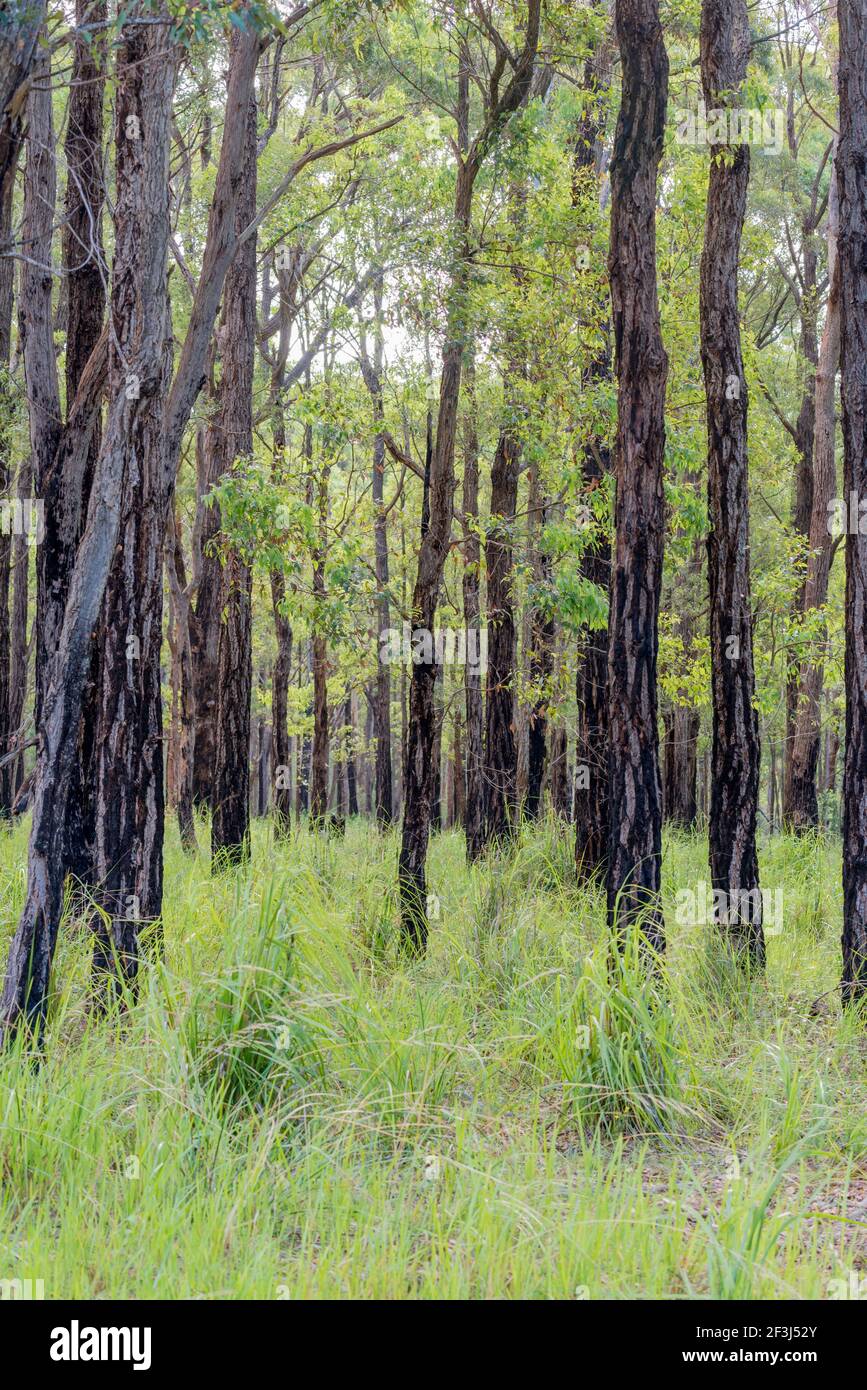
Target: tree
x,y
802,811
145,81
474,806
641,365
734,865
852,251
230,826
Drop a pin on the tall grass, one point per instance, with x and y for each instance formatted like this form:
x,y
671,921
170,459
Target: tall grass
x,y
293,1109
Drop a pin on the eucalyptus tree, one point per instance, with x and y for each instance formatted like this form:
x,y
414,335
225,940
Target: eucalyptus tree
x,y
641,365
852,251
734,868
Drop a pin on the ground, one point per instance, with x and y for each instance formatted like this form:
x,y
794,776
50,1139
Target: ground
x,y
292,1110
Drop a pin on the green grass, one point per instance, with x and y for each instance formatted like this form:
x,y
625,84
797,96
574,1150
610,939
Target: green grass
x,y
293,1110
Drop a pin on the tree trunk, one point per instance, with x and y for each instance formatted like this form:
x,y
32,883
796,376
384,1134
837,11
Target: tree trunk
x,y
145,82
56,552
19,51
18,659
84,267
230,824
803,806
382,704
280,707
420,729
852,251
180,599
635,792
558,773
680,765
501,753
205,616
474,811
734,865
681,722
589,800
541,652
7,728
319,754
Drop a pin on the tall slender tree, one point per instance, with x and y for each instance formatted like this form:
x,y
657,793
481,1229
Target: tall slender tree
x,y
734,867
635,792
591,677
802,811
230,825
852,252
474,805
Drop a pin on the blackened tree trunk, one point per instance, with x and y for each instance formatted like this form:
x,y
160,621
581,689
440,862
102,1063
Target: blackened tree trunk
x,y
474,809
145,83
541,651
230,824
351,760
590,794
205,616
804,437
558,773
180,600
84,268
501,748
7,728
734,868
803,807
319,750
635,792
280,707
289,280
681,722
852,251
55,554
382,703
591,693
18,635
421,718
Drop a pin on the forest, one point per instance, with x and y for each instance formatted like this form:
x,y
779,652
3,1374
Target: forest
x,y
433,649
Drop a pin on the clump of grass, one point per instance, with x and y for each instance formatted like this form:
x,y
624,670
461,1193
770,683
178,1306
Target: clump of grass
x,y
612,1046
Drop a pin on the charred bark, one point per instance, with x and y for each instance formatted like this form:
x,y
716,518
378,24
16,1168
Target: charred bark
x,y
635,792
85,276
852,252
474,809
802,810
145,81
734,867
230,824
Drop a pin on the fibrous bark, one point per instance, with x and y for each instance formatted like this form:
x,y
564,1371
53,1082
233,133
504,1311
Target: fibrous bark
x,y
852,252
734,867
635,792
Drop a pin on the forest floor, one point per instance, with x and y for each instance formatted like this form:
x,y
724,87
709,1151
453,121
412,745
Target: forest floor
x,y
293,1110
